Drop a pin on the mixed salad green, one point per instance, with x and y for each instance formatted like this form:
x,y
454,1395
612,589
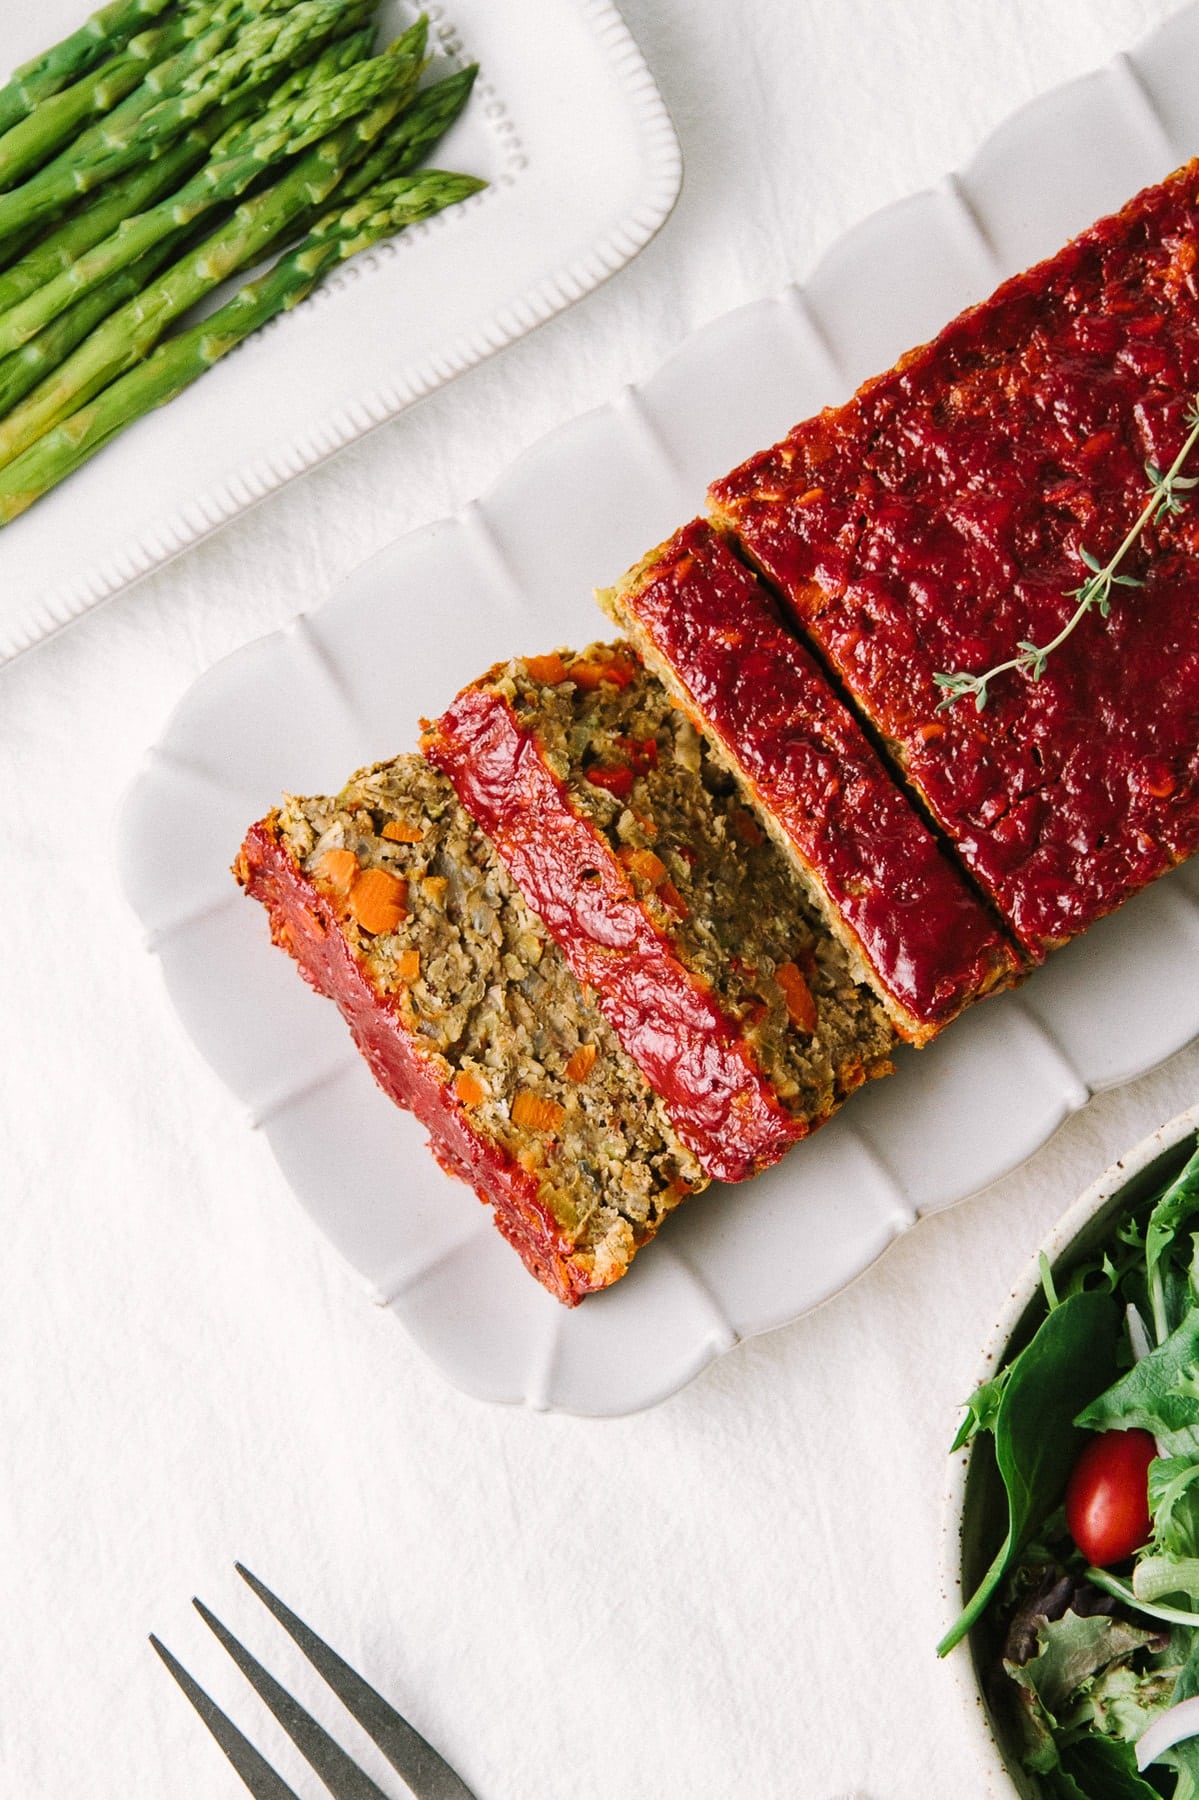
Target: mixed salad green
x,y
1087,1620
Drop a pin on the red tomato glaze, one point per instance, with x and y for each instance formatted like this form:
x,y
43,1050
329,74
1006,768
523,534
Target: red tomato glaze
x,y
303,922
939,519
669,1022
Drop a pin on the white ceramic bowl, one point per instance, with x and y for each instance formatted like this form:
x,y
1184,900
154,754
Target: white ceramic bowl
x,y
974,1520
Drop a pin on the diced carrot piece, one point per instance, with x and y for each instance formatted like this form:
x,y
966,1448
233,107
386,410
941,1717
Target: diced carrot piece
x,y
801,1007
614,778
747,827
338,869
590,675
669,895
548,669
469,1088
408,965
677,1190
810,497
434,886
399,833
535,1113
377,900
644,864
582,1062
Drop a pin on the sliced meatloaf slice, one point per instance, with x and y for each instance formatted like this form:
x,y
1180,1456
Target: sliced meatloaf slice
x,y
394,906
633,844
949,515
912,926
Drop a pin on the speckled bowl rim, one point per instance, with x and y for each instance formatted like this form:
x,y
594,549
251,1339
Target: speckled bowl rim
x,y
1090,1213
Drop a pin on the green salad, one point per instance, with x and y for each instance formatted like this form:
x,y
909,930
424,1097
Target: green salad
x,y
1086,1624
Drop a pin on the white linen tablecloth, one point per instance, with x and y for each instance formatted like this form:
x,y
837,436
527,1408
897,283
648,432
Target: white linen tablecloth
x,y
735,1594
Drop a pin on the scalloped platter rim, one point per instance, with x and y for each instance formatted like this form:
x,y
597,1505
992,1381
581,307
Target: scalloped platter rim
x,y
303,707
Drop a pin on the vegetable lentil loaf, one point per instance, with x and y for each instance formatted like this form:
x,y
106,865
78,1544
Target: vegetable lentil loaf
x,y
634,845
913,927
394,906
937,524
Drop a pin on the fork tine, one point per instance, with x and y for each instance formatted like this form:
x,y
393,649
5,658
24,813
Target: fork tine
x,y
254,1770
343,1778
411,1755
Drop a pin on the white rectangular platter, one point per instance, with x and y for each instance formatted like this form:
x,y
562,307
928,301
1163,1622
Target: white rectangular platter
x,y
565,208
347,685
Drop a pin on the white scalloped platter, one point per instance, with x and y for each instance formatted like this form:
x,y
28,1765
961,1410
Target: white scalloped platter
x,y
564,210
347,684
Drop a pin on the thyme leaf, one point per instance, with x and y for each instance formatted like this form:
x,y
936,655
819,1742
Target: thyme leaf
x,y
1166,496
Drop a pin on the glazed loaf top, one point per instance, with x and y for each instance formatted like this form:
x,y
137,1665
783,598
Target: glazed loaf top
x,y
939,520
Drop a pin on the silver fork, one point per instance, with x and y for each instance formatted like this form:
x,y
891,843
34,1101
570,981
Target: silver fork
x,y
428,1775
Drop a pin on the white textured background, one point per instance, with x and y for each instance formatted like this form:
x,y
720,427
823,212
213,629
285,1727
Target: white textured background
x,y
735,1595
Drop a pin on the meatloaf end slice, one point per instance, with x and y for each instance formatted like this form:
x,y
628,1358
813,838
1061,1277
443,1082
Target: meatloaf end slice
x,y
633,844
912,925
393,905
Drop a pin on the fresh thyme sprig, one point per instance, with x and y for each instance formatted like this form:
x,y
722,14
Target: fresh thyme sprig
x,y
1095,593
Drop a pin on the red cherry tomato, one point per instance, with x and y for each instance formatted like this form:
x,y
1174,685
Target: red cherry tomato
x,y
1107,1497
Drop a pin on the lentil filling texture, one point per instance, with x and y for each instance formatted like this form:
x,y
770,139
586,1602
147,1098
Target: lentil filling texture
x,y
710,877
479,984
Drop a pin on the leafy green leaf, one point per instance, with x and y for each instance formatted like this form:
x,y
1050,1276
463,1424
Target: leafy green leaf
x,y
1082,1678
1160,1393
1158,1577
1174,1505
1122,1700
1072,1355
1185,1756
1059,1785
1073,1649
982,1409
1179,1203
1105,1769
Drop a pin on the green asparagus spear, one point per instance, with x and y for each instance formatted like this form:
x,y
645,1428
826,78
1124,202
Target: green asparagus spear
x,y
21,372
129,334
183,359
280,132
99,37
341,54
48,253
91,224
31,142
403,146
299,119
223,64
